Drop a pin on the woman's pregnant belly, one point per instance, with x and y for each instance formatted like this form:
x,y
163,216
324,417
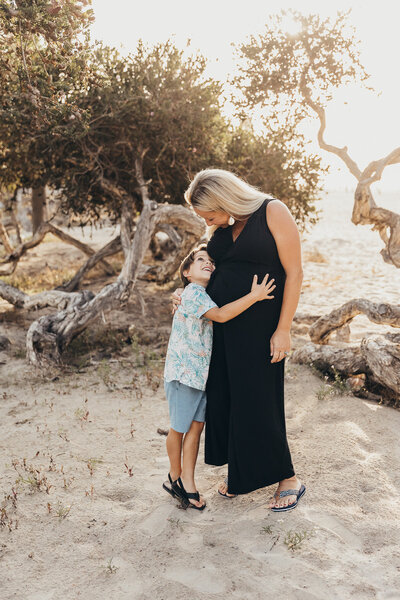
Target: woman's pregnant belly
x,y
231,281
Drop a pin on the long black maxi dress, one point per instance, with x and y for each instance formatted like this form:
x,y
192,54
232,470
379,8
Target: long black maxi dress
x,y
245,419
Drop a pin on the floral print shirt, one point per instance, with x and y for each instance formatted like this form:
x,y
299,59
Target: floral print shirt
x,y
190,343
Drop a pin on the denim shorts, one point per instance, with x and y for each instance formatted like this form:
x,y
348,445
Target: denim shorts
x,y
186,404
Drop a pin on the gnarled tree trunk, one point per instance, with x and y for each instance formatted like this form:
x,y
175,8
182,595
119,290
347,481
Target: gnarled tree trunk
x,y
38,207
365,209
49,335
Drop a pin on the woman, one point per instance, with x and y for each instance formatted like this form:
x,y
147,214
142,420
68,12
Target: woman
x,y
245,421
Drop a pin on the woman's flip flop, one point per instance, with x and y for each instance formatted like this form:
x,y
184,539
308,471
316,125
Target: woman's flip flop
x,y
298,493
230,496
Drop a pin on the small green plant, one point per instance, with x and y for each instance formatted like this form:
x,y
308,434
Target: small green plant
x,y
81,414
135,345
323,392
62,511
91,464
31,476
294,539
19,353
266,529
175,522
339,383
110,568
104,372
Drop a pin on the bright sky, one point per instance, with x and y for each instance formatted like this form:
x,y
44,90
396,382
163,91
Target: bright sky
x,y
368,124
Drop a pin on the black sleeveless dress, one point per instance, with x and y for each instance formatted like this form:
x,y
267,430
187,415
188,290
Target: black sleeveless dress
x,y
245,419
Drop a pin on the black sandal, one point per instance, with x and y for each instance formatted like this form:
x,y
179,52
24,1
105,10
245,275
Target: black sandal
x,y
173,488
190,496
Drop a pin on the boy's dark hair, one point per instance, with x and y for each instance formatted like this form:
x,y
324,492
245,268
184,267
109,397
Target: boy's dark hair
x,y
185,264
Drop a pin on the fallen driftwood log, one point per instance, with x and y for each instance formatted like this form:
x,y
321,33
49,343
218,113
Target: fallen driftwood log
x,y
382,313
375,362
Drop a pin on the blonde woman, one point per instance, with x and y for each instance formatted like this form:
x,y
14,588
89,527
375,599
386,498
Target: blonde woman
x,y
245,421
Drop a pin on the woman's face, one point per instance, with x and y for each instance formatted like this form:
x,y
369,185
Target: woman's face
x,y
213,217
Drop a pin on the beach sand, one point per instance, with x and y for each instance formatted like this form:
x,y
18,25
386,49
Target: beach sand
x,y
91,519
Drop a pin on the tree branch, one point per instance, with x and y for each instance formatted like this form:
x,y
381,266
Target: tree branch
x,y
383,314
43,229
365,211
340,152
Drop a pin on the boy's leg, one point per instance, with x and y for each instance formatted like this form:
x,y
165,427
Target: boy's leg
x,y
174,449
190,451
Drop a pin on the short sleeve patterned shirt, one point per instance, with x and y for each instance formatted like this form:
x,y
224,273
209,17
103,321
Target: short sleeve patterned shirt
x,y
190,343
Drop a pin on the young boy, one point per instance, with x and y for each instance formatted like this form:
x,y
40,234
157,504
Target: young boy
x,y
186,368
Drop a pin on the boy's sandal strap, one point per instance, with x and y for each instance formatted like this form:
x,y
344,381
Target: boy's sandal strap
x,y
193,496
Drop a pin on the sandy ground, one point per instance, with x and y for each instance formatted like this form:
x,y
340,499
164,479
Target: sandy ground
x,y
82,463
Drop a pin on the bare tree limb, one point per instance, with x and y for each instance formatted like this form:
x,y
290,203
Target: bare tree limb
x,y
345,360
340,152
4,237
113,247
383,314
54,298
49,335
365,210
35,240
383,359
377,357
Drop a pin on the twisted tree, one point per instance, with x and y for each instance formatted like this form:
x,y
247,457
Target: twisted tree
x,y
293,77
43,56
122,130
49,335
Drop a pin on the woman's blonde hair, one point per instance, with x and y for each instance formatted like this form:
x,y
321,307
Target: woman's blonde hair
x,y
216,189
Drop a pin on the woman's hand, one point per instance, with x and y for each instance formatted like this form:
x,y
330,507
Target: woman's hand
x,y
280,345
262,291
176,299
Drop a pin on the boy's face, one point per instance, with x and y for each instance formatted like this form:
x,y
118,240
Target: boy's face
x,y
201,268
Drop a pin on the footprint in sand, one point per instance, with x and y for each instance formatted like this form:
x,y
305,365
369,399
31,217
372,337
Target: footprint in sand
x,y
118,493
205,578
156,523
332,524
128,578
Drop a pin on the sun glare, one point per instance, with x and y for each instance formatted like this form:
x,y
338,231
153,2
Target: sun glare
x,y
213,29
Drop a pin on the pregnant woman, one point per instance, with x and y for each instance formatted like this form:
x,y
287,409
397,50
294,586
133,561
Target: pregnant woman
x,y
245,419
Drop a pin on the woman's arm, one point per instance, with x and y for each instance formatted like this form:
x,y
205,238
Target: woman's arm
x,y
287,239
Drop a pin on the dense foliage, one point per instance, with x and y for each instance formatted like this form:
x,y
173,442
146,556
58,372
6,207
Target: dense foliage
x,y
322,54
43,56
75,116
154,103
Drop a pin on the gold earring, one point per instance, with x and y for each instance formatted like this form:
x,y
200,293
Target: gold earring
x,y
231,220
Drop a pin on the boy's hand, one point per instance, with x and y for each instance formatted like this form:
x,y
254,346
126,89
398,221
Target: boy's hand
x,y
176,299
262,291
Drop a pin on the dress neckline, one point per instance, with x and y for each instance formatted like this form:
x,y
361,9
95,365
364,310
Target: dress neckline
x,y
247,222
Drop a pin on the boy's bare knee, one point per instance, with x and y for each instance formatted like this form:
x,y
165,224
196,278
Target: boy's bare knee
x,y
174,433
198,426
